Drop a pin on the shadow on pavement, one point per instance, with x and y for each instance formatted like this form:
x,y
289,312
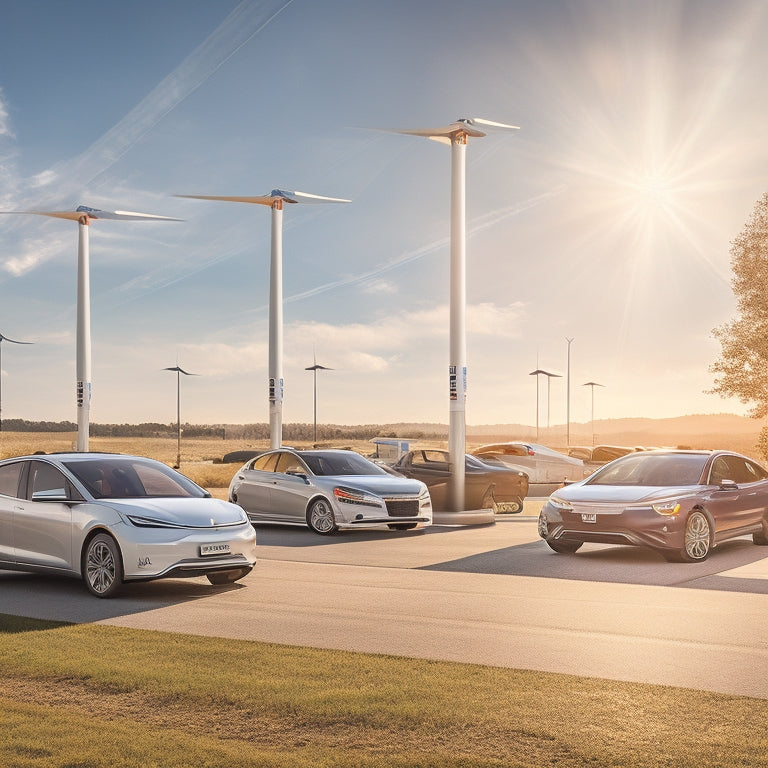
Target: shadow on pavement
x,y
67,599
622,565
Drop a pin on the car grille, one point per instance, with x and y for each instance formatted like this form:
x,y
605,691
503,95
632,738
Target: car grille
x,y
600,509
402,508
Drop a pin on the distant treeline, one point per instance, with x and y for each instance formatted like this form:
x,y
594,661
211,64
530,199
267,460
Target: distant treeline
x,y
237,431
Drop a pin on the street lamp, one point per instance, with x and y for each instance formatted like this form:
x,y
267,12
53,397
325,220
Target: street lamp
x,y
568,398
539,372
2,339
593,384
315,368
456,134
179,371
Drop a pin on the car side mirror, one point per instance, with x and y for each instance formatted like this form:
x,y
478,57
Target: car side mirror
x,y
297,473
728,485
54,494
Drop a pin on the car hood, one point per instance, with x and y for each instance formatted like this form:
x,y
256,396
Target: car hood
x,y
622,494
381,485
187,512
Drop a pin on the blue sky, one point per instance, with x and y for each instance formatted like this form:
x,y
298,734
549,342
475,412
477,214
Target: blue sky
x,y
607,218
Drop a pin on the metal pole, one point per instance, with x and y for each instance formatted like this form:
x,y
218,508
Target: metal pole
x,y
568,398
178,418
276,328
457,363
314,382
83,391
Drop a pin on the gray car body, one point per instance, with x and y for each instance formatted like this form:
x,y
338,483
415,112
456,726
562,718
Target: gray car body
x,y
47,531
286,496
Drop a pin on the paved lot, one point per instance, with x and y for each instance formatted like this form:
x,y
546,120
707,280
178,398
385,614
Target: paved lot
x,y
486,594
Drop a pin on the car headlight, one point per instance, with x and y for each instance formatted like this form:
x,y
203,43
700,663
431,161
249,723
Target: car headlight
x,y
351,496
149,522
560,504
670,507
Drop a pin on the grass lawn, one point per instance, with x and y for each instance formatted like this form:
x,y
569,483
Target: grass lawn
x,y
82,696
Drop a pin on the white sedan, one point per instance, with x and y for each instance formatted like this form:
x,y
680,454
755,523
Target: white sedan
x,y
109,518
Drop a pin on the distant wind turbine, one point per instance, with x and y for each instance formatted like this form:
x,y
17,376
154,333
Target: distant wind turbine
x,y
274,200
179,371
11,341
456,134
83,216
315,368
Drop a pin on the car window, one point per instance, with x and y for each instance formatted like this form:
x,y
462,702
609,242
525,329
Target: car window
x,y
125,478
289,463
9,479
654,470
719,471
341,463
45,477
756,470
265,463
741,471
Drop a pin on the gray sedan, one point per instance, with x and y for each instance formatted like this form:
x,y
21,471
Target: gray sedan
x,y
113,518
328,490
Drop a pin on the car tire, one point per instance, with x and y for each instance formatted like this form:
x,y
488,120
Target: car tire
x,y
320,518
761,537
564,547
218,578
697,542
102,566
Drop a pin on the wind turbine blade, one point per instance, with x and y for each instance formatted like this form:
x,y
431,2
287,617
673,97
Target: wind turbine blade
x,y
267,200
95,213
13,341
176,369
306,197
489,124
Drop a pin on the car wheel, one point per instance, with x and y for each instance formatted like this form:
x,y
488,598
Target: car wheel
x,y
402,526
761,537
320,518
103,566
698,538
217,578
564,547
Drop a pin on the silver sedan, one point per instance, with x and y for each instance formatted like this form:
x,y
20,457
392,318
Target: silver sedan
x,y
113,518
328,490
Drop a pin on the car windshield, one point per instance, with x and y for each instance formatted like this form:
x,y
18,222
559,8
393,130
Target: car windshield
x,y
654,470
129,478
340,464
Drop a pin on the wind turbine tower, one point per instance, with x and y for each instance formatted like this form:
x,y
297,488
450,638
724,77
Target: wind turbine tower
x,y
456,134
83,216
274,200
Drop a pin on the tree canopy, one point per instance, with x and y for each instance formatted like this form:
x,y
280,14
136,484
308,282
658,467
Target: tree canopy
x,y
742,369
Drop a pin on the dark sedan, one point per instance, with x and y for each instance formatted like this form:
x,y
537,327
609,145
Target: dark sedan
x,y
486,486
680,503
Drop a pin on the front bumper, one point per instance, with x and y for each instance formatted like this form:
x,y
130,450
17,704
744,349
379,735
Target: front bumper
x,y
154,553
597,524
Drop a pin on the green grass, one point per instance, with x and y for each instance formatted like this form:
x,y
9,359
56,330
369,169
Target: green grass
x,y
77,696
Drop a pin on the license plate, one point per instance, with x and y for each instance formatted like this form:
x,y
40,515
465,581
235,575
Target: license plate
x,y
214,549
507,507
588,517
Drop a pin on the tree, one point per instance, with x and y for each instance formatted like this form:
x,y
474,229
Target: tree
x,y
742,370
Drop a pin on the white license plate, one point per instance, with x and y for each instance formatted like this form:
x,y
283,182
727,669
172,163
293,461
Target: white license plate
x,y
588,517
214,549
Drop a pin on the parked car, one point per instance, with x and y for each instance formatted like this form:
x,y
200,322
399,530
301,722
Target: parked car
x,y
110,518
680,503
595,456
328,490
486,486
545,467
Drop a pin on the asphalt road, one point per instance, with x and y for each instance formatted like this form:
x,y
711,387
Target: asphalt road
x,y
484,594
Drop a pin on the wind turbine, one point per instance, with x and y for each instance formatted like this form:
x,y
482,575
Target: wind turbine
x,y
83,215
592,385
274,200
179,371
2,339
540,372
456,134
315,368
